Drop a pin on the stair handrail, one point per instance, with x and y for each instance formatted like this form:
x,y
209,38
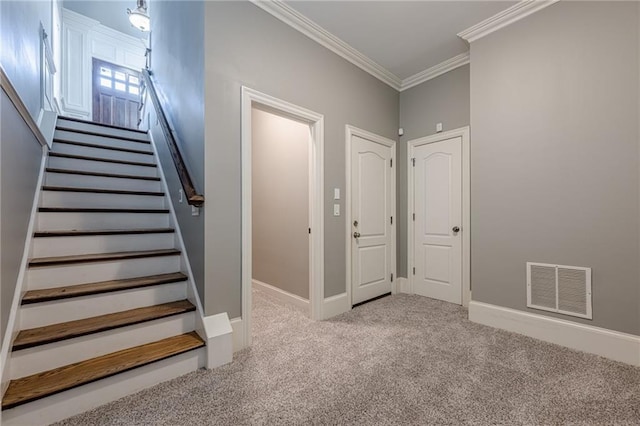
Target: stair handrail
x,y
193,197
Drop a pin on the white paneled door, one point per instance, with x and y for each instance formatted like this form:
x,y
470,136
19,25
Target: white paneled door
x,y
438,219
372,199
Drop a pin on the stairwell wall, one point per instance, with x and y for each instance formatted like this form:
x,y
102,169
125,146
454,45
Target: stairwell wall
x,y
177,39
20,159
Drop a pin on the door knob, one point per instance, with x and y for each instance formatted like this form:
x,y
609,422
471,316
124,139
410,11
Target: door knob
x,y
356,234
455,229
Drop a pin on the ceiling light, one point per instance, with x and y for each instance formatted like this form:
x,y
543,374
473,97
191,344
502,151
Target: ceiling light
x,y
139,17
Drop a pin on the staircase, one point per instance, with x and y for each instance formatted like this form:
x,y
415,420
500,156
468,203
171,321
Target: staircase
x,y
108,308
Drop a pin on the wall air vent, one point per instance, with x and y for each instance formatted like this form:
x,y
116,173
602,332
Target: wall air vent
x,y
558,288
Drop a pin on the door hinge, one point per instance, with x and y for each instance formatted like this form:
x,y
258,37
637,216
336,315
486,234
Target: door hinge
x,y
392,220
414,270
413,161
391,277
309,230
391,162
414,217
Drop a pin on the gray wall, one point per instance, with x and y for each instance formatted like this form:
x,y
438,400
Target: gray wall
x,y
178,67
20,157
554,159
20,52
444,99
280,202
246,46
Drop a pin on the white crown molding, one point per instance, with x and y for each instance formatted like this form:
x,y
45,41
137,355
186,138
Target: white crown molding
x,y
504,18
435,71
296,20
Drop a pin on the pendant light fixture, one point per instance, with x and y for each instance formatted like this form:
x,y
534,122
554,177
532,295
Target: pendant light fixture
x,y
139,17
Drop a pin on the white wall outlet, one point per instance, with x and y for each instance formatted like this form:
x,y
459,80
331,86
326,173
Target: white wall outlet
x,y
195,211
336,209
180,196
336,193
438,127
401,131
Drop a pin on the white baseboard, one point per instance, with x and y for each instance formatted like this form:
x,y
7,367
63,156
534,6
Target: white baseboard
x,y
335,305
238,334
282,295
13,325
610,344
403,285
219,338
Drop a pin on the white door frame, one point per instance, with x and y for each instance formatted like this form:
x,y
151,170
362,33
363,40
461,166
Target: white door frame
x,y
251,97
351,131
462,132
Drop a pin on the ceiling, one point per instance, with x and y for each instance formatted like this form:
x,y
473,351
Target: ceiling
x,y
405,37
112,14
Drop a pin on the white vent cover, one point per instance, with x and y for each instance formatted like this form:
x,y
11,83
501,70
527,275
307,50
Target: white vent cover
x,y
558,288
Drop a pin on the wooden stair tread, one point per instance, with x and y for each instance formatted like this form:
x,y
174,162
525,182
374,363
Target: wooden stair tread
x,y
58,293
101,191
88,233
107,147
100,174
100,257
60,379
93,123
104,160
68,330
97,210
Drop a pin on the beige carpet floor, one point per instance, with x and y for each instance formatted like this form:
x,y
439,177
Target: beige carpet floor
x,y
398,360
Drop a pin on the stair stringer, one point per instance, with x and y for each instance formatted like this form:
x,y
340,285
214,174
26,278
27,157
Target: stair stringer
x,y
13,325
215,330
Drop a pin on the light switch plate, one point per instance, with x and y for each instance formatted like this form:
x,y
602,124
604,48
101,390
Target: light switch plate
x,y
336,209
336,193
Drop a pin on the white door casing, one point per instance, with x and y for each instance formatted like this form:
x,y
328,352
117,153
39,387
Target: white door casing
x,y
438,261
249,99
370,211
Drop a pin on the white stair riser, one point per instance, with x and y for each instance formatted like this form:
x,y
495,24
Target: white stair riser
x,y
93,199
68,124
74,401
75,308
100,166
99,182
89,244
92,221
53,355
99,140
58,276
86,151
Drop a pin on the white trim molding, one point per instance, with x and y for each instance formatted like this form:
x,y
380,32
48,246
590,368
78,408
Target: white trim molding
x,y
350,132
16,100
315,32
336,305
219,338
403,285
237,330
284,296
435,71
610,344
507,17
463,133
249,98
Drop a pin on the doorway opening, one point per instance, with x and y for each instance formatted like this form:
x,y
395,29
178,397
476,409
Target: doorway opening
x,y
282,206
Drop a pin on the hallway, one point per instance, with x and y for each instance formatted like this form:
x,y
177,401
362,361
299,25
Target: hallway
x,y
378,364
